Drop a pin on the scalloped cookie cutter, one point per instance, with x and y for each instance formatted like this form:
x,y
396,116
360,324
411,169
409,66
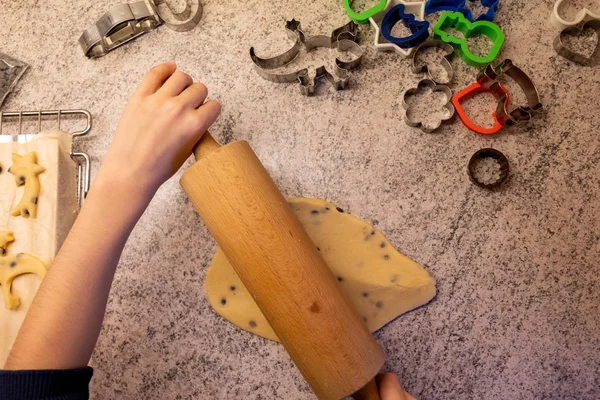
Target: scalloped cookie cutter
x,y
423,85
582,16
344,39
417,8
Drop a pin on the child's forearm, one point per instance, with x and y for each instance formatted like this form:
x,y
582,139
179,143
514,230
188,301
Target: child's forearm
x,y
64,321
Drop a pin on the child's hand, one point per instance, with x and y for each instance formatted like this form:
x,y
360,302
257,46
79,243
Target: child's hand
x,y
389,388
161,123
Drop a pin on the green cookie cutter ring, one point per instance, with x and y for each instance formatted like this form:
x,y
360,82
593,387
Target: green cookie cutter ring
x,y
363,17
458,21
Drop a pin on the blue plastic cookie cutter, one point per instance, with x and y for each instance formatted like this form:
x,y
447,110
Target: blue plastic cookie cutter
x,y
419,29
433,6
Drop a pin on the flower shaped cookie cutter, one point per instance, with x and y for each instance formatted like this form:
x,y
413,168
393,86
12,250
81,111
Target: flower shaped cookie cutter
x,y
460,6
424,85
582,16
344,39
417,8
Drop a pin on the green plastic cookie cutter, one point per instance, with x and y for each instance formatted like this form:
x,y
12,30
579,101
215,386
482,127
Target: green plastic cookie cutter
x,y
458,21
363,17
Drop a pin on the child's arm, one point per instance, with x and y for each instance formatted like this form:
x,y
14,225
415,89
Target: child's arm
x,y
160,125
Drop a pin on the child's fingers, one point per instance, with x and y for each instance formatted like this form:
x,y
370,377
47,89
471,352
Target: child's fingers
x,y
176,84
155,78
193,96
390,389
206,115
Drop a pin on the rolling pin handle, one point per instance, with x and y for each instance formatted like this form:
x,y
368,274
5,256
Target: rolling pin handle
x,y
368,392
206,145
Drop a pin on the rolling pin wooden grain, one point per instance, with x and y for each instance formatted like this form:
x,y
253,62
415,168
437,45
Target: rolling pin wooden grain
x,y
282,269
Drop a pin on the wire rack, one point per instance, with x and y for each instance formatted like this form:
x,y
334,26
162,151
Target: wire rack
x,y
81,159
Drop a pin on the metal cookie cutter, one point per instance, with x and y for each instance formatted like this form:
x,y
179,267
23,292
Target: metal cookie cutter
x,y
125,22
582,16
417,8
423,85
445,63
502,164
343,39
500,94
569,54
460,6
489,78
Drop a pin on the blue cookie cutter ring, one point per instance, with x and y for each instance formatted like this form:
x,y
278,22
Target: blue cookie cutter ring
x,y
433,6
419,29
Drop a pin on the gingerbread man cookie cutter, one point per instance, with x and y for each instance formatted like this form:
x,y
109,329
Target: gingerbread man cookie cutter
x,y
564,51
422,86
344,39
583,15
416,8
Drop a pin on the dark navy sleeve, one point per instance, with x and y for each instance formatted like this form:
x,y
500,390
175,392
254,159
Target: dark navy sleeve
x,y
69,384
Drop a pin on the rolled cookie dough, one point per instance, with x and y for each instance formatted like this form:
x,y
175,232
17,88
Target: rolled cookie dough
x,y
380,282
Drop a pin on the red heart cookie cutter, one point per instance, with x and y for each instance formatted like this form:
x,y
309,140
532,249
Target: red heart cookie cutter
x,y
501,97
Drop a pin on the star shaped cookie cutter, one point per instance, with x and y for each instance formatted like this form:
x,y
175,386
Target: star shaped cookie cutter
x,y
582,16
417,8
344,39
422,86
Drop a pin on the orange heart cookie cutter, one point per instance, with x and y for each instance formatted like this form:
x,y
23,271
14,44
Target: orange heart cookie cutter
x,y
501,95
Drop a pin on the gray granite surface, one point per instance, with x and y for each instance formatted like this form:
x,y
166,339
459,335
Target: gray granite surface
x,y
516,315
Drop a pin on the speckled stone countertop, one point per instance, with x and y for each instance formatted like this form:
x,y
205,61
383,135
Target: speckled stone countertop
x,y
518,271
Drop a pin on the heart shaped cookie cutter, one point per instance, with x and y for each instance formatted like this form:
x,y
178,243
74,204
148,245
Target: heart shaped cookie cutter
x,y
569,54
500,94
582,16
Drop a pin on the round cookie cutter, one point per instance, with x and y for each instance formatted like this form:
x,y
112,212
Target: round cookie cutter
x,y
495,155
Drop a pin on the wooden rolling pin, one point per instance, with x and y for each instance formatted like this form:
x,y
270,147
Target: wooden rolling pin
x,y
283,271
